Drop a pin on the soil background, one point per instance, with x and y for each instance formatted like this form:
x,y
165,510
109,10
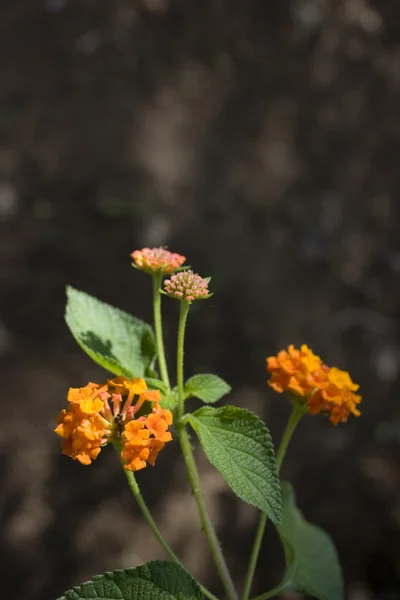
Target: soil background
x,y
260,139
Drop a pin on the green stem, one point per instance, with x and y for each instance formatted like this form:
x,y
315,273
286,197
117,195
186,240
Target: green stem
x,y
157,278
297,413
184,310
191,467
147,515
274,592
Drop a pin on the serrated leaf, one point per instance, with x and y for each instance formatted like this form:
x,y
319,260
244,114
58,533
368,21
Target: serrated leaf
x,y
312,565
156,579
114,339
206,386
239,445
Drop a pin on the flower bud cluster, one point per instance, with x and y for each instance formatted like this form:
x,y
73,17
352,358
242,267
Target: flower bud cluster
x,y
187,286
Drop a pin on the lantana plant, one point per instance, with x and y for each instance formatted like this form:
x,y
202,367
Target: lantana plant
x,y
138,411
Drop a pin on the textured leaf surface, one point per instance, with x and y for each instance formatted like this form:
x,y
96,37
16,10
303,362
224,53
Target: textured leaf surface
x,y
239,445
113,338
206,386
170,401
312,565
156,384
156,579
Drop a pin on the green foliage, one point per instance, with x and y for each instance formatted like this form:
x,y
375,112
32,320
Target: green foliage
x,y
312,565
113,338
239,445
206,386
156,579
156,384
169,399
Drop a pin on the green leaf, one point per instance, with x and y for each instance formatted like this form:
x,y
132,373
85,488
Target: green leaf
x,y
239,445
156,384
312,565
169,399
114,339
206,386
156,579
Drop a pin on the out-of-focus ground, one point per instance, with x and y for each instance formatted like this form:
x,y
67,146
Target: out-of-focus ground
x,y
262,140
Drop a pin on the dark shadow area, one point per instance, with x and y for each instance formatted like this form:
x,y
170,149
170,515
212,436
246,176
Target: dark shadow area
x,y
96,344
261,140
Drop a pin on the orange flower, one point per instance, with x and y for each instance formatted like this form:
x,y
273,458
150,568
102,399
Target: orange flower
x,y
135,451
294,371
157,423
90,422
139,446
157,260
82,433
123,385
321,388
154,448
335,396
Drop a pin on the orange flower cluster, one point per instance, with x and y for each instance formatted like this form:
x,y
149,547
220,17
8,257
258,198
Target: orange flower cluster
x,y
98,415
82,427
324,389
157,260
145,438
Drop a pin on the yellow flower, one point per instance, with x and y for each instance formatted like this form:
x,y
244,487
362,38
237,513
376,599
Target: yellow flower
x,y
90,422
123,385
321,388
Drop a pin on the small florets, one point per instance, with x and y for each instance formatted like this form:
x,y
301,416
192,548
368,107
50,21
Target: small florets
x,y
157,260
187,286
98,415
321,388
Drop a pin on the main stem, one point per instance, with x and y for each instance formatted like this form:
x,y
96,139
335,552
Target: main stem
x,y
191,467
158,329
147,515
297,413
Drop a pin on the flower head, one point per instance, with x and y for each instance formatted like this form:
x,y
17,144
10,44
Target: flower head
x,y
187,286
98,415
157,260
82,427
335,396
293,370
321,388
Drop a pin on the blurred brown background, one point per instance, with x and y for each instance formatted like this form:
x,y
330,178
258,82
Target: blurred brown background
x,y
261,139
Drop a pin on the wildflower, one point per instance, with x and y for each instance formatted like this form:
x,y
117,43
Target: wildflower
x,y
157,260
293,370
335,396
187,286
319,387
98,415
82,427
